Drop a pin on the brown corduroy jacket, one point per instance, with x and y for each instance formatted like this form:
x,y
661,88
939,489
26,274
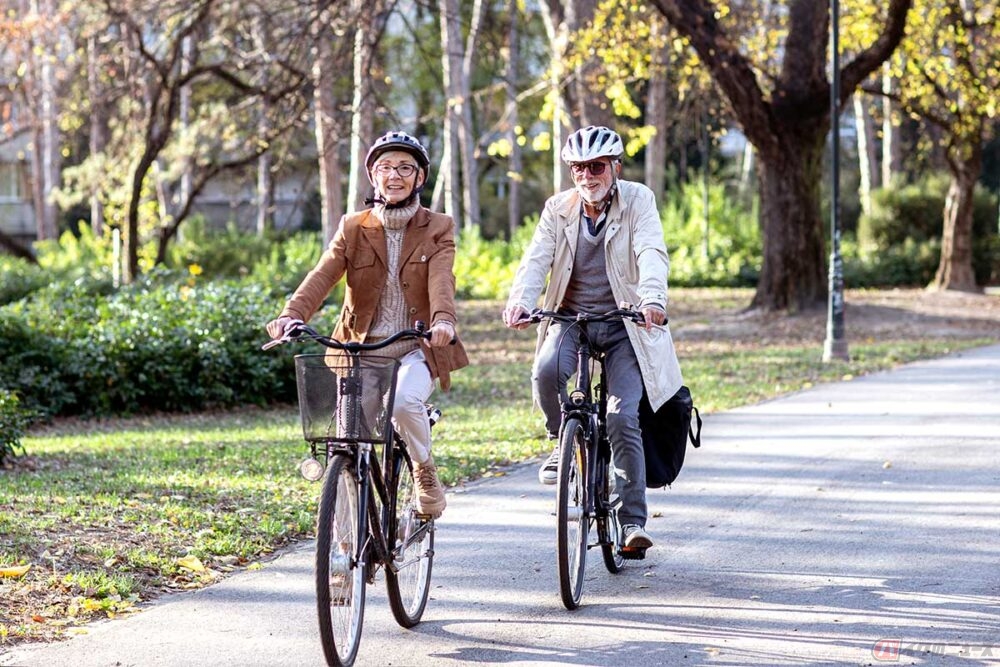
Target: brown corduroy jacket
x,y
426,274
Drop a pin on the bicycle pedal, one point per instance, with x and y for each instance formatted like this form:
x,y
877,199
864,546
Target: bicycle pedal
x,y
634,553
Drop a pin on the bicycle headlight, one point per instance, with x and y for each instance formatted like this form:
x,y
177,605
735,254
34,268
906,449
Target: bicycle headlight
x,y
577,397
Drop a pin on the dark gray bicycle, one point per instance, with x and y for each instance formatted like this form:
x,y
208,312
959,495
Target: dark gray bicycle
x,y
585,491
367,512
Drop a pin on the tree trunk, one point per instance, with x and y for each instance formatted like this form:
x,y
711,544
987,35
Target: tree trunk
x,y
466,132
51,137
656,115
98,137
363,117
892,153
746,168
556,30
451,63
265,181
788,126
955,269
867,159
331,198
793,273
514,166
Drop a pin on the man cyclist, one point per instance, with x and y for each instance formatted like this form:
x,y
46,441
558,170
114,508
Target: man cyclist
x,y
600,244
398,258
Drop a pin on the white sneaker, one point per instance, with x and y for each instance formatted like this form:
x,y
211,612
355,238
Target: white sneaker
x,y
636,537
549,472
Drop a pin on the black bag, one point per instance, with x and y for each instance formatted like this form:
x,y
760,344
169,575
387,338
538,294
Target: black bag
x,y
665,434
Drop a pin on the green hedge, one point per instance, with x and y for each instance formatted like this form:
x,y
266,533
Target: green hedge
x,y
163,345
906,224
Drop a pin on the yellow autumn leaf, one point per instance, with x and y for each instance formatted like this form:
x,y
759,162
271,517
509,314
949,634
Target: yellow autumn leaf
x,y
90,604
14,571
191,563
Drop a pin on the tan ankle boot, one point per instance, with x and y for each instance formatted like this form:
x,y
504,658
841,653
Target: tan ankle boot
x,y
430,495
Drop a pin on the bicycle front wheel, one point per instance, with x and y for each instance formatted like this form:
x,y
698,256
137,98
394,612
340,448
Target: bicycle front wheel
x,y
340,578
571,513
408,578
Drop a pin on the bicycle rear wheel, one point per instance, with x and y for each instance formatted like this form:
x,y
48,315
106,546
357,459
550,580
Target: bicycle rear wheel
x,y
408,579
340,579
608,526
571,513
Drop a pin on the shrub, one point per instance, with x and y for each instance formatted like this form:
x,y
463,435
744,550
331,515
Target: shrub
x,y
164,344
14,422
909,263
914,214
220,253
734,247
19,278
34,365
485,269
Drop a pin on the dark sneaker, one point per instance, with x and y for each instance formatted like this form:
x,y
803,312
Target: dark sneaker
x,y
634,537
549,472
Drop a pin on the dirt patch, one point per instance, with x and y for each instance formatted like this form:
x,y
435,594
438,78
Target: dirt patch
x,y
721,316
869,315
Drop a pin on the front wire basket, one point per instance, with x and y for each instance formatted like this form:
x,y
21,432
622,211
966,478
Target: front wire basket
x,y
346,398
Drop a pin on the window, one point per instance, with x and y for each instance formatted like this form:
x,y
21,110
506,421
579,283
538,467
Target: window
x,y
10,180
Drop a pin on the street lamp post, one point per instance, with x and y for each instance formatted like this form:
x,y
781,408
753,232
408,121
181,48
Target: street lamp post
x,y
835,346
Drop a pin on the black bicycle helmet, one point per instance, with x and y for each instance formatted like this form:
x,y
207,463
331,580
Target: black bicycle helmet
x,y
398,141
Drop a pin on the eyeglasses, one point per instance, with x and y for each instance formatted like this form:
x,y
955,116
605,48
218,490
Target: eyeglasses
x,y
596,168
404,170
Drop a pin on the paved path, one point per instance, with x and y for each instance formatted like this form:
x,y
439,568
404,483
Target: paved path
x,y
809,530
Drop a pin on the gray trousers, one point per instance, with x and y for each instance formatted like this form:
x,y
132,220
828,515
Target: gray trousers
x,y
556,362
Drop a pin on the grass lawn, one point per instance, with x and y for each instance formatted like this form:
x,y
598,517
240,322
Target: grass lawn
x,y
98,517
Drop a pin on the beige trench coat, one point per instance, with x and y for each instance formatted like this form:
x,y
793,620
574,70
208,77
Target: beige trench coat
x,y
637,266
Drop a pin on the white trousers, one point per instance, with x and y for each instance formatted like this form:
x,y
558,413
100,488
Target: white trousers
x,y
409,413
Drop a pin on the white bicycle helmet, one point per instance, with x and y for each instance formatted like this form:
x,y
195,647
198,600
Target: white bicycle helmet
x,y
592,142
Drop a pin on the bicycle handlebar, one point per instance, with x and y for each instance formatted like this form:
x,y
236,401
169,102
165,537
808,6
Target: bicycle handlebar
x,y
297,330
537,315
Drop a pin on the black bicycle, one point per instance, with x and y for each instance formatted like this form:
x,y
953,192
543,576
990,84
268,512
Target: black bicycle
x,y
368,516
585,492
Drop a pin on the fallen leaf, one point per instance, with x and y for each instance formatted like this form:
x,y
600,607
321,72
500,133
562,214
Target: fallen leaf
x,y
191,563
14,571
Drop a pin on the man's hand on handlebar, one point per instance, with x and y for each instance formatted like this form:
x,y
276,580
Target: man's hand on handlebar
x,y
653,315
516,317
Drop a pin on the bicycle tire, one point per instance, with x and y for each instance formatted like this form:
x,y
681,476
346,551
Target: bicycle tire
x,y
609,526
340,580
408,580
572,523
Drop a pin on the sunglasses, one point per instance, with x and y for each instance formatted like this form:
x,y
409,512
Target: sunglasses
x,y
596,168
404,170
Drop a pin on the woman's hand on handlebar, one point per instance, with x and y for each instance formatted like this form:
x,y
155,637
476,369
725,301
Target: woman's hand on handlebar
x,y
279,327
441,334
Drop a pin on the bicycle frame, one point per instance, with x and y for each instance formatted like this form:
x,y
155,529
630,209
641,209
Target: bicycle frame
x,y
366,516
581,403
